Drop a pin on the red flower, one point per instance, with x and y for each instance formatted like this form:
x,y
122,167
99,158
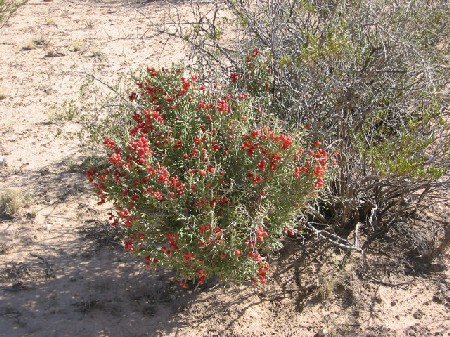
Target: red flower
x,y
109,143
194,152
149,260
318,171
218,231
260,233
128,245
116,159
262,165
166,250
262,273
188,256
132,96
285,141
222,106
255,133
201,276
204,228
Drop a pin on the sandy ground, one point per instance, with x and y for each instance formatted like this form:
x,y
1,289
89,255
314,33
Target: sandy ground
x,y
63,271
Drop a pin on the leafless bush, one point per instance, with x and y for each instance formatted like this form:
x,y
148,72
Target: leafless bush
x,y
370,78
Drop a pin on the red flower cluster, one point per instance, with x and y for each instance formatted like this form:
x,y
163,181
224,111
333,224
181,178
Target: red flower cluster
x,y
194,173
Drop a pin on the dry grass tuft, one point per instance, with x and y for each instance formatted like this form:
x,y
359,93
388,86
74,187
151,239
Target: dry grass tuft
x,y
10,201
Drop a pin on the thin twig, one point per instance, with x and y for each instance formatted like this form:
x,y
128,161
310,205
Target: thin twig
x,y
334,239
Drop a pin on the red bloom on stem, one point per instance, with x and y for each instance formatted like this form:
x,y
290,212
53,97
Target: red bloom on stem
x,y
262,273
234,77
222,106
255,133
132,96
172,238
166,250
128,245
218,231
194,152
260,233
319,171
149,260
109,143
204,228
262,165
285,142
116,159
201,275
188,256
215,146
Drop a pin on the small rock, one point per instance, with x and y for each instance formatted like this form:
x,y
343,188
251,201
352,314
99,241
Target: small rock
x,y
72,278
322,333
54,53
393,303
418,314
149,310
3,161
437,299
17,286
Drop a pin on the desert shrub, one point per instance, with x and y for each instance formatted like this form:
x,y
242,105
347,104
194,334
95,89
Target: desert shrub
x,y
10,201
368,78
204,181
7,8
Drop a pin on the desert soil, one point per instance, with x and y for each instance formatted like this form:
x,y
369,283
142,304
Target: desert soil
x,y
64,273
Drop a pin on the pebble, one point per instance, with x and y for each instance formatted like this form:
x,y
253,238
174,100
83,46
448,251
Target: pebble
x,y
322,333
3,161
